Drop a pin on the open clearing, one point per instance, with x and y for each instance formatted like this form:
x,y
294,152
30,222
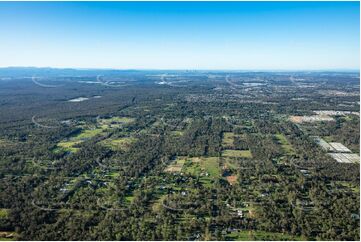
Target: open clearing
x,y
70,144
228,139
237,153
207,168
100,129
231,179
310,119
286,146
175,166
87,134
119,143
114,122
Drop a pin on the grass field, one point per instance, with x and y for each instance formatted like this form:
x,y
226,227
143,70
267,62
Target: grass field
x,y
237,153
114,122
119,143
286,146
229,163
99,129
211,165
228,139
207,168
175,166
88,133
69,145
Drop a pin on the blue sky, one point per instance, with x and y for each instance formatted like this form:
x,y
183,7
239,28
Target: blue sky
x,y
181,35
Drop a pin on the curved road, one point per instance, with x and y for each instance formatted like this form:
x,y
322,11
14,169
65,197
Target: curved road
x,y
40,125
43,85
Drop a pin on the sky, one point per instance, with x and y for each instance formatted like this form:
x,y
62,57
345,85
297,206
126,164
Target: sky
x,y
181,35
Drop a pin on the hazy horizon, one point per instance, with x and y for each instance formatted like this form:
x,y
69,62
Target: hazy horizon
x,y
181,35
185,69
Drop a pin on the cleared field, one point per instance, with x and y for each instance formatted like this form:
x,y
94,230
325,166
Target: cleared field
x,y
207,168
119,143
211,165
228,139
101,128
115,122
310,119
335,113
231,179
286,146
237,153
176,166
69,145
88,133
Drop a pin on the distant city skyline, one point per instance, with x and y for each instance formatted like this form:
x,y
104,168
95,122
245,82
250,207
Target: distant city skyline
x,y
181,35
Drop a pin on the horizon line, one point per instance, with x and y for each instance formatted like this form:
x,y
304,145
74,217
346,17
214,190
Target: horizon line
x,y
184,69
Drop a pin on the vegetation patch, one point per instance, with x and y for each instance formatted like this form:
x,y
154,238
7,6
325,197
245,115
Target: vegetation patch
x,y
4,212
129,199
177,133
349,185
249,235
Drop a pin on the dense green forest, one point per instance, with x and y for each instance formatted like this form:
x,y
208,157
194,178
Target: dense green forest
x,y
182,156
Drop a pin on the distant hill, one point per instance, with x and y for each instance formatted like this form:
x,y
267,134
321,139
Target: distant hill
x,y
48,71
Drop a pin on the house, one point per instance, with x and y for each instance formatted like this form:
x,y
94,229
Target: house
x,y
240,213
